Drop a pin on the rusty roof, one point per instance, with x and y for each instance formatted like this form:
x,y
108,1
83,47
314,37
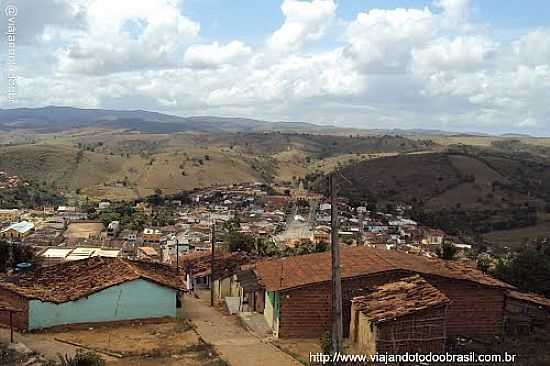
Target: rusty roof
x,y
71,281
397,299
304,270
529,297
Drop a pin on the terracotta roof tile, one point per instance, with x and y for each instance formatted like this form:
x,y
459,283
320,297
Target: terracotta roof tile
x,y
529,297
5,306
400,298
70,281
298,271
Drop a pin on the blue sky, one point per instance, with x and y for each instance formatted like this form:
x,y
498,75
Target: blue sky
x,y
462,65
255,20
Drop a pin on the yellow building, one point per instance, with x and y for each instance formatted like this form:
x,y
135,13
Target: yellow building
x,y
151,236
10,215
18,230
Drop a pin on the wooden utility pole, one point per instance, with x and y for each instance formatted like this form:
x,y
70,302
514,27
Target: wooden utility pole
x,y
337,328
212,259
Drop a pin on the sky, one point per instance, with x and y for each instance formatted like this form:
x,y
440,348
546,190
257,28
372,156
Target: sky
x,y
457,65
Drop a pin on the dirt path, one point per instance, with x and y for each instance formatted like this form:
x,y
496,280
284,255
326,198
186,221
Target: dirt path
x,y
44,345
234,344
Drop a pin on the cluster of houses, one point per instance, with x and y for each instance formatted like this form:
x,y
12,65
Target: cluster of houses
x,y
9,181
392,301
397,297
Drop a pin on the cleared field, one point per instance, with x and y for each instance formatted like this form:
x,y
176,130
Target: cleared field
x,y
516,237
83,230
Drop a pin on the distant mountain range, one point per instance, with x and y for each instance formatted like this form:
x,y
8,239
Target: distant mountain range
x,y
58,119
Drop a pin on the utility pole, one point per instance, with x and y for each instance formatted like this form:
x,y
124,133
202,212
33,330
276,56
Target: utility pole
x,y
177,256
212,259
337,328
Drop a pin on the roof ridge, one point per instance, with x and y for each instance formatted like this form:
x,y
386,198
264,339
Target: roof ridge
x,y
386,260
131,267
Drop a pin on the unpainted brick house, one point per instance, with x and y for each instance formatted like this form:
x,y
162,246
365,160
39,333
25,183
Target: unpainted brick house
x,y
298,300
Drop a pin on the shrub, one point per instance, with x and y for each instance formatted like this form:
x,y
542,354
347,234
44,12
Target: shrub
x,y
82,358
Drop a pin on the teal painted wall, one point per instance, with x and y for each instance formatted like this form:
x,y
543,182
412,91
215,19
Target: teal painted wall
x,y
138,299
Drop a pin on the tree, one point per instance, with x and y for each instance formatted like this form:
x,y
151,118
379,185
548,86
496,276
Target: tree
x,y
232,224
21,254
528,269
483,263
236,241
447,251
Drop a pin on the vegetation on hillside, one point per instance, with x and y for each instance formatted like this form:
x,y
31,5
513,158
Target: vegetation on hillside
x,y
529,268
29,195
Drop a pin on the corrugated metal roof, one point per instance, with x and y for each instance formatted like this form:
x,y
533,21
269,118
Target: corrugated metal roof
x,y
21,227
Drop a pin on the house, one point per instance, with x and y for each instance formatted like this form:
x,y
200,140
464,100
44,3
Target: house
x,y
104,205
92,290
408,315
53,256
113,229
9,215
152,236
297,290
18,230
251,299
45,237
526,311
433,237
148,253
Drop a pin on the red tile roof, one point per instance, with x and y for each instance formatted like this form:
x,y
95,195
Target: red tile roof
x,y
291,272
71,281
5,306
529,297
400,298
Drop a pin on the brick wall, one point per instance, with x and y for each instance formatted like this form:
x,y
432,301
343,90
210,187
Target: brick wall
x,y
306,312
20,320
475,310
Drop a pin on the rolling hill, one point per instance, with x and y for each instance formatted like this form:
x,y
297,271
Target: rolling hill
x,y
461,190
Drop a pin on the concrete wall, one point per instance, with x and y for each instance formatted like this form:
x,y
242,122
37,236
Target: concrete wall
x,y
138,299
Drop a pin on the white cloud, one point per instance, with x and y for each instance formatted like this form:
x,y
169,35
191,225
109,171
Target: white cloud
x,y
462,53
457,11
533,48
417,67
127,34
382,40
304,21
213,55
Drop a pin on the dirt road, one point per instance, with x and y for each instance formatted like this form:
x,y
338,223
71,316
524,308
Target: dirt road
x,y
234,344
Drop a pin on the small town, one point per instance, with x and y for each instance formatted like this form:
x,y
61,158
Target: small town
x,y
275,183
252,259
